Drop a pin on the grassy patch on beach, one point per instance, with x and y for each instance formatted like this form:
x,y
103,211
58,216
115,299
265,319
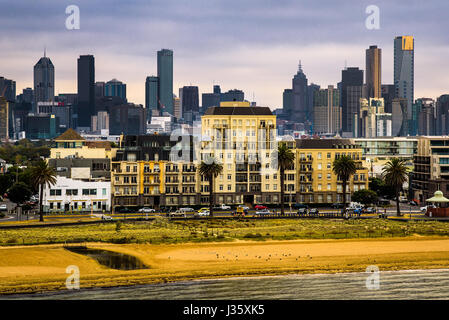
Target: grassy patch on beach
x,y
164,231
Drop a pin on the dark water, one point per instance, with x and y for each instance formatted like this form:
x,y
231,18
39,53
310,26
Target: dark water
x,y
110,259
418,284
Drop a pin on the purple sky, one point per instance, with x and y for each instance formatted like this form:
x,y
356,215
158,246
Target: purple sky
x,y
253,45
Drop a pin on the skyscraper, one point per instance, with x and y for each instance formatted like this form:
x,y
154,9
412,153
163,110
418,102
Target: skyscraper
x,y
349,77
165,76
115,88
442,115
300,106
86,90
327,111
44,81
426,116
151,95
404,70
287,101
373,72
189,99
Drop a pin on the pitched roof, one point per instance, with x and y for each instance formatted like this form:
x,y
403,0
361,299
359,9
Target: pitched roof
x,y
70,135
238,111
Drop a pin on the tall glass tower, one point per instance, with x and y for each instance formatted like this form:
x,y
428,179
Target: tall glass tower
x,y
86,90
404,70
44,81
151,95
165,76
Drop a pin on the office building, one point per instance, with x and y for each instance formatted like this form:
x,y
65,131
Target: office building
x,y
373,72
189,99
86,90
151,95
442,115
399,117
232,95
41,126
115,88
8,89
404,70
165,80
127,119
4,119
388,94
299,111
426,116
44,80
327,111
350,77
374,122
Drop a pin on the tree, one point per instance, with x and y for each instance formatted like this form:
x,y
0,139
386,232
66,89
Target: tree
x,y
365,196
210,169
42,175
19,193
344,167
383,190
395,173
285,159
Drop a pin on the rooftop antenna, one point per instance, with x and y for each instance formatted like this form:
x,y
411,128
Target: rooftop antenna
x,y
45,51
346,65
299,66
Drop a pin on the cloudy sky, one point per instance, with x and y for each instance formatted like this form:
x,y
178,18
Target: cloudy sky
x,y
253,45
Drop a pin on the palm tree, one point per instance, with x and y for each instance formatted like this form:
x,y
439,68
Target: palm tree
x,y
42,175
344,167
395,173
210,169
285,159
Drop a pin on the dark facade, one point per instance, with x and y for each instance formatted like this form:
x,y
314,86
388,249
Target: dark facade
x,y
42,126
233,95
287,101
8,89
165,76
86,90
349,77
44,81
189,99
127,119
388,93
426,116
373,72
151,95
442,115
299,111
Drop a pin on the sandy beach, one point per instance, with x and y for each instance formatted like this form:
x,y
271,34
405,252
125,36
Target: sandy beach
x,y
27,269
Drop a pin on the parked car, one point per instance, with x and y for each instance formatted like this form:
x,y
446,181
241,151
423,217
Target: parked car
x,y
3,207
125,210
263,212
300,206
105,217
146,210
413,203
403,199
302,211
203,209
245,208
260,207
222,207
202,213
314,211
177,213
187,209
424,209
370,210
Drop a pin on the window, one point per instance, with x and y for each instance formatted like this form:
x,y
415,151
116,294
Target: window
x,y
229,177
319,166
275,186
328,186
319,155
103,191
93,192
85,192
229,187
319,186
328,155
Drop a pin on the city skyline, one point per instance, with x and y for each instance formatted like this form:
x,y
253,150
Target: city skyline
x,y
233,60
